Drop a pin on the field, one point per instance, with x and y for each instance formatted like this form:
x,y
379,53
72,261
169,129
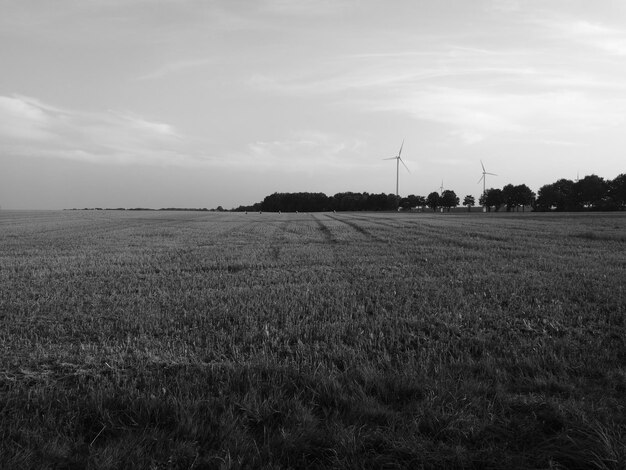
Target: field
x,y
349,340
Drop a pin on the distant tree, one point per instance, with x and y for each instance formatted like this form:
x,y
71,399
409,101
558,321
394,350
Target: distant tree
x,y
524,196
492,198
545,198
469,201
617,191
495,199
256,207
558,195
291,202
590,192
376,202
515,196
433,200
482,200
349,201
413,201
382,202
393,202
449,199
508,197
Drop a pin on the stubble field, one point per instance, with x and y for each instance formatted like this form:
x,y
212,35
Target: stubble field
x,y
347,340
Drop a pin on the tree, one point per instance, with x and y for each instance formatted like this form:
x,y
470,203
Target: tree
x,y
449,199
291,202
350,201
413,201
516,196
558,195
420,201
524,196
590,191
617,191
492,198
433,200
508,196
469,201
482,200
382,202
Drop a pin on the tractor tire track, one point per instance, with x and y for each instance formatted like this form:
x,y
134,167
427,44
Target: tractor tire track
x,y
358,228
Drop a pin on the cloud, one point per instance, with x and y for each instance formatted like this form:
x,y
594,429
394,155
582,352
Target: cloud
x,y
505,6
174,68
304,150
380,73
29,127
475,114
594,35
141,125
471,114
469,136
306,8
472,92
22,119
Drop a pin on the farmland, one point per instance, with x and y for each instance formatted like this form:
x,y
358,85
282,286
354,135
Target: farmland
x,y
339,340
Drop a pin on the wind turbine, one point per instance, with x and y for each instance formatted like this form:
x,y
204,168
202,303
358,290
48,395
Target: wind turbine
x,y
482,178
441,189
398,159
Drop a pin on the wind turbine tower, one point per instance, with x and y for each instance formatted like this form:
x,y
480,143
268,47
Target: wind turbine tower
x,y
483,178
398,159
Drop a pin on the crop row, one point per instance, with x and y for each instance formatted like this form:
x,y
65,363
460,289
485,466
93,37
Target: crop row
x,y
494,339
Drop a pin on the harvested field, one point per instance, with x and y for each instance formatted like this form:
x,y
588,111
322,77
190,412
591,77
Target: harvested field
x,y
338,340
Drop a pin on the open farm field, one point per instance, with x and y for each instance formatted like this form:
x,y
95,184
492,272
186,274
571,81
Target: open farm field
x,y
324,340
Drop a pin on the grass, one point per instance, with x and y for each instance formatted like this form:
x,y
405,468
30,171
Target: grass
x,y
348,340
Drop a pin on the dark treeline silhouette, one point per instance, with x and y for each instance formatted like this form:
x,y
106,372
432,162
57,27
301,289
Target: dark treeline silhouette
x,y
191,209
319,202
590,193
446,200
348,201
510,196
204,209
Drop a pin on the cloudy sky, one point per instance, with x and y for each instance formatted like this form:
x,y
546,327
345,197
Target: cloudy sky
x,y
200,103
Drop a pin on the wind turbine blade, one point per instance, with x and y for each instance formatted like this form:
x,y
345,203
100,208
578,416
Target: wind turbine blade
x,y
493,174
390,158
481,178
400,152
407,168
481,164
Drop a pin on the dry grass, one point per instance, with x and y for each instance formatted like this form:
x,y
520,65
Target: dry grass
x,y
348,340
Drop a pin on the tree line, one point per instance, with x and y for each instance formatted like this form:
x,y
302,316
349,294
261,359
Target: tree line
x,y
320,202
351,201
590,193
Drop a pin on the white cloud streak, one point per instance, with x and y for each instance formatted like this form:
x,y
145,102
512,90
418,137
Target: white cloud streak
x,y
306,8
475,114
474,92
175,67
611,41
304,150
29,127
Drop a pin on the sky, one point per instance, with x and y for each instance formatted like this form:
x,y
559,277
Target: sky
x,y
202,103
